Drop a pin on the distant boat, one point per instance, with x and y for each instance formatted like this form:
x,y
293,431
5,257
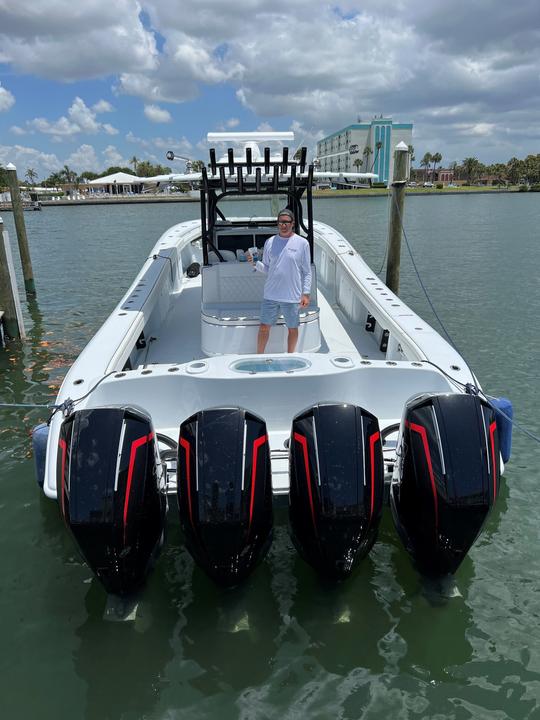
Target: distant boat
x,y
26,206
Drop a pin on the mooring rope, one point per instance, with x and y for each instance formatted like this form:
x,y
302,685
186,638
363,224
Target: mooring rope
x,y
24,405
470,388
67,406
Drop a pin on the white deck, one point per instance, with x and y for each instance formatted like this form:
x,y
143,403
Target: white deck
x,y
149,351
180,338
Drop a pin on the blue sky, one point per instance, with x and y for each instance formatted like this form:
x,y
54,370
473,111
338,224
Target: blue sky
x,y
91,85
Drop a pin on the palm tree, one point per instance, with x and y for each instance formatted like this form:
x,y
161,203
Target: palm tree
x,y
378,147
497,171
134,161
471,166
411,153
514,170
54,180
435,159
197,165
31,175
358,164
69,175
425,162
366,153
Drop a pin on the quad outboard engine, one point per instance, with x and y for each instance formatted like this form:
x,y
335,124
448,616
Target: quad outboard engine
x,y
111,491
225,491
336,486
449,474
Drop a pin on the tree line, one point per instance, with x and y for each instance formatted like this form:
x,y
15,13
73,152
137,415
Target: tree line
x,y
67,176
514,172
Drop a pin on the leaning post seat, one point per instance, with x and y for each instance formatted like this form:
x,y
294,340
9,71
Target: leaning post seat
x,y
232,293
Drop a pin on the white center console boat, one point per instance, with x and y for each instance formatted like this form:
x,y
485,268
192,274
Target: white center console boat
x,y
169,399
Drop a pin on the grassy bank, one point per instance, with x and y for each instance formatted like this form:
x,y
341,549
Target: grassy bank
x,y
370,192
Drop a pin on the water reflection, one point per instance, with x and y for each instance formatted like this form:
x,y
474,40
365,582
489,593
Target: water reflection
x,y
123,664
440,642
230,634
344,622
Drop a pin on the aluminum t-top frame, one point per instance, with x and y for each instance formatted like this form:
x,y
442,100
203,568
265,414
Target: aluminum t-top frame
x,y
253,173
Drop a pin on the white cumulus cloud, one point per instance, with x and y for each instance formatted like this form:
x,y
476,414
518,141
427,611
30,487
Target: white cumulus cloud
x,y
113,156
157,114
319,64
102,106
28,157
7,99
66,42
81,120
84,158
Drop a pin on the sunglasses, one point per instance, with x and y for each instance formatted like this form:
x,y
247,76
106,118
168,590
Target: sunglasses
x,y
284,222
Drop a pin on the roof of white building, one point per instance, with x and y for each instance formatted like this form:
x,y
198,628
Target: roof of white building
x,y
118,178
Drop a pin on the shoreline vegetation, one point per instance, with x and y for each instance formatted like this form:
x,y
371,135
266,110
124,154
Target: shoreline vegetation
x,y
318,194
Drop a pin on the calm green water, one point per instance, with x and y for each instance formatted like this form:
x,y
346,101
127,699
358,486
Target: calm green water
x,y
284,645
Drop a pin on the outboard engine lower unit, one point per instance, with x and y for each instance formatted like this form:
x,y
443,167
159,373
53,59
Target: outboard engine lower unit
x,y
111,492
336,486
225,491
449,474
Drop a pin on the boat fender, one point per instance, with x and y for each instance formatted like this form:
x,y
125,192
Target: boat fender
x,y
504,425
40,435
193,270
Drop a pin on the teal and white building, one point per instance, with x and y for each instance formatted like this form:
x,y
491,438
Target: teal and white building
x,y
364,147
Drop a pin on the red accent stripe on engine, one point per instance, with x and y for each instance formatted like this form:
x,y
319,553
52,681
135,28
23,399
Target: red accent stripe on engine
x,y
135,445
185,444
372,440
256,445
63,445
303,442
423,434
492,429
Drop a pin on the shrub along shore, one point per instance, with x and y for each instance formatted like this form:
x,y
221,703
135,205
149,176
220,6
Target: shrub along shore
x,y
356,192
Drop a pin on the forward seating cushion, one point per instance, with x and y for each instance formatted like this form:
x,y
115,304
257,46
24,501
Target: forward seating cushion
x,y
232,294
227,255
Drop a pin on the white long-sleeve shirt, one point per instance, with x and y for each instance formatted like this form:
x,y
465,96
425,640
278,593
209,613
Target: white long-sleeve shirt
x,y
287,263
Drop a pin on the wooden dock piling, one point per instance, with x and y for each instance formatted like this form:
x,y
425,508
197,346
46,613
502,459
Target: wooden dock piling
x,y
9,299
18,215
399,183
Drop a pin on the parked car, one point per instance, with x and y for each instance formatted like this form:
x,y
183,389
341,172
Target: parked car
x,y
412,184
428,184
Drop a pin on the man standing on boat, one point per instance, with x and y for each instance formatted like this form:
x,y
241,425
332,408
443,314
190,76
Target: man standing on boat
x,y
287,263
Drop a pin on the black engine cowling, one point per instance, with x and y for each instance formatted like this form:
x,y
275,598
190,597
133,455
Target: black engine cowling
x,y
225,491
449,474
111,491
336,486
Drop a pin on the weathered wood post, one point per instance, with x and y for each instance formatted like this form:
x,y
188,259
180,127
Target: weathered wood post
x,y
399,182
18,215
9,300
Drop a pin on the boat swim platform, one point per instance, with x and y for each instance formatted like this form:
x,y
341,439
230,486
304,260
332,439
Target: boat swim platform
x,y
180,340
